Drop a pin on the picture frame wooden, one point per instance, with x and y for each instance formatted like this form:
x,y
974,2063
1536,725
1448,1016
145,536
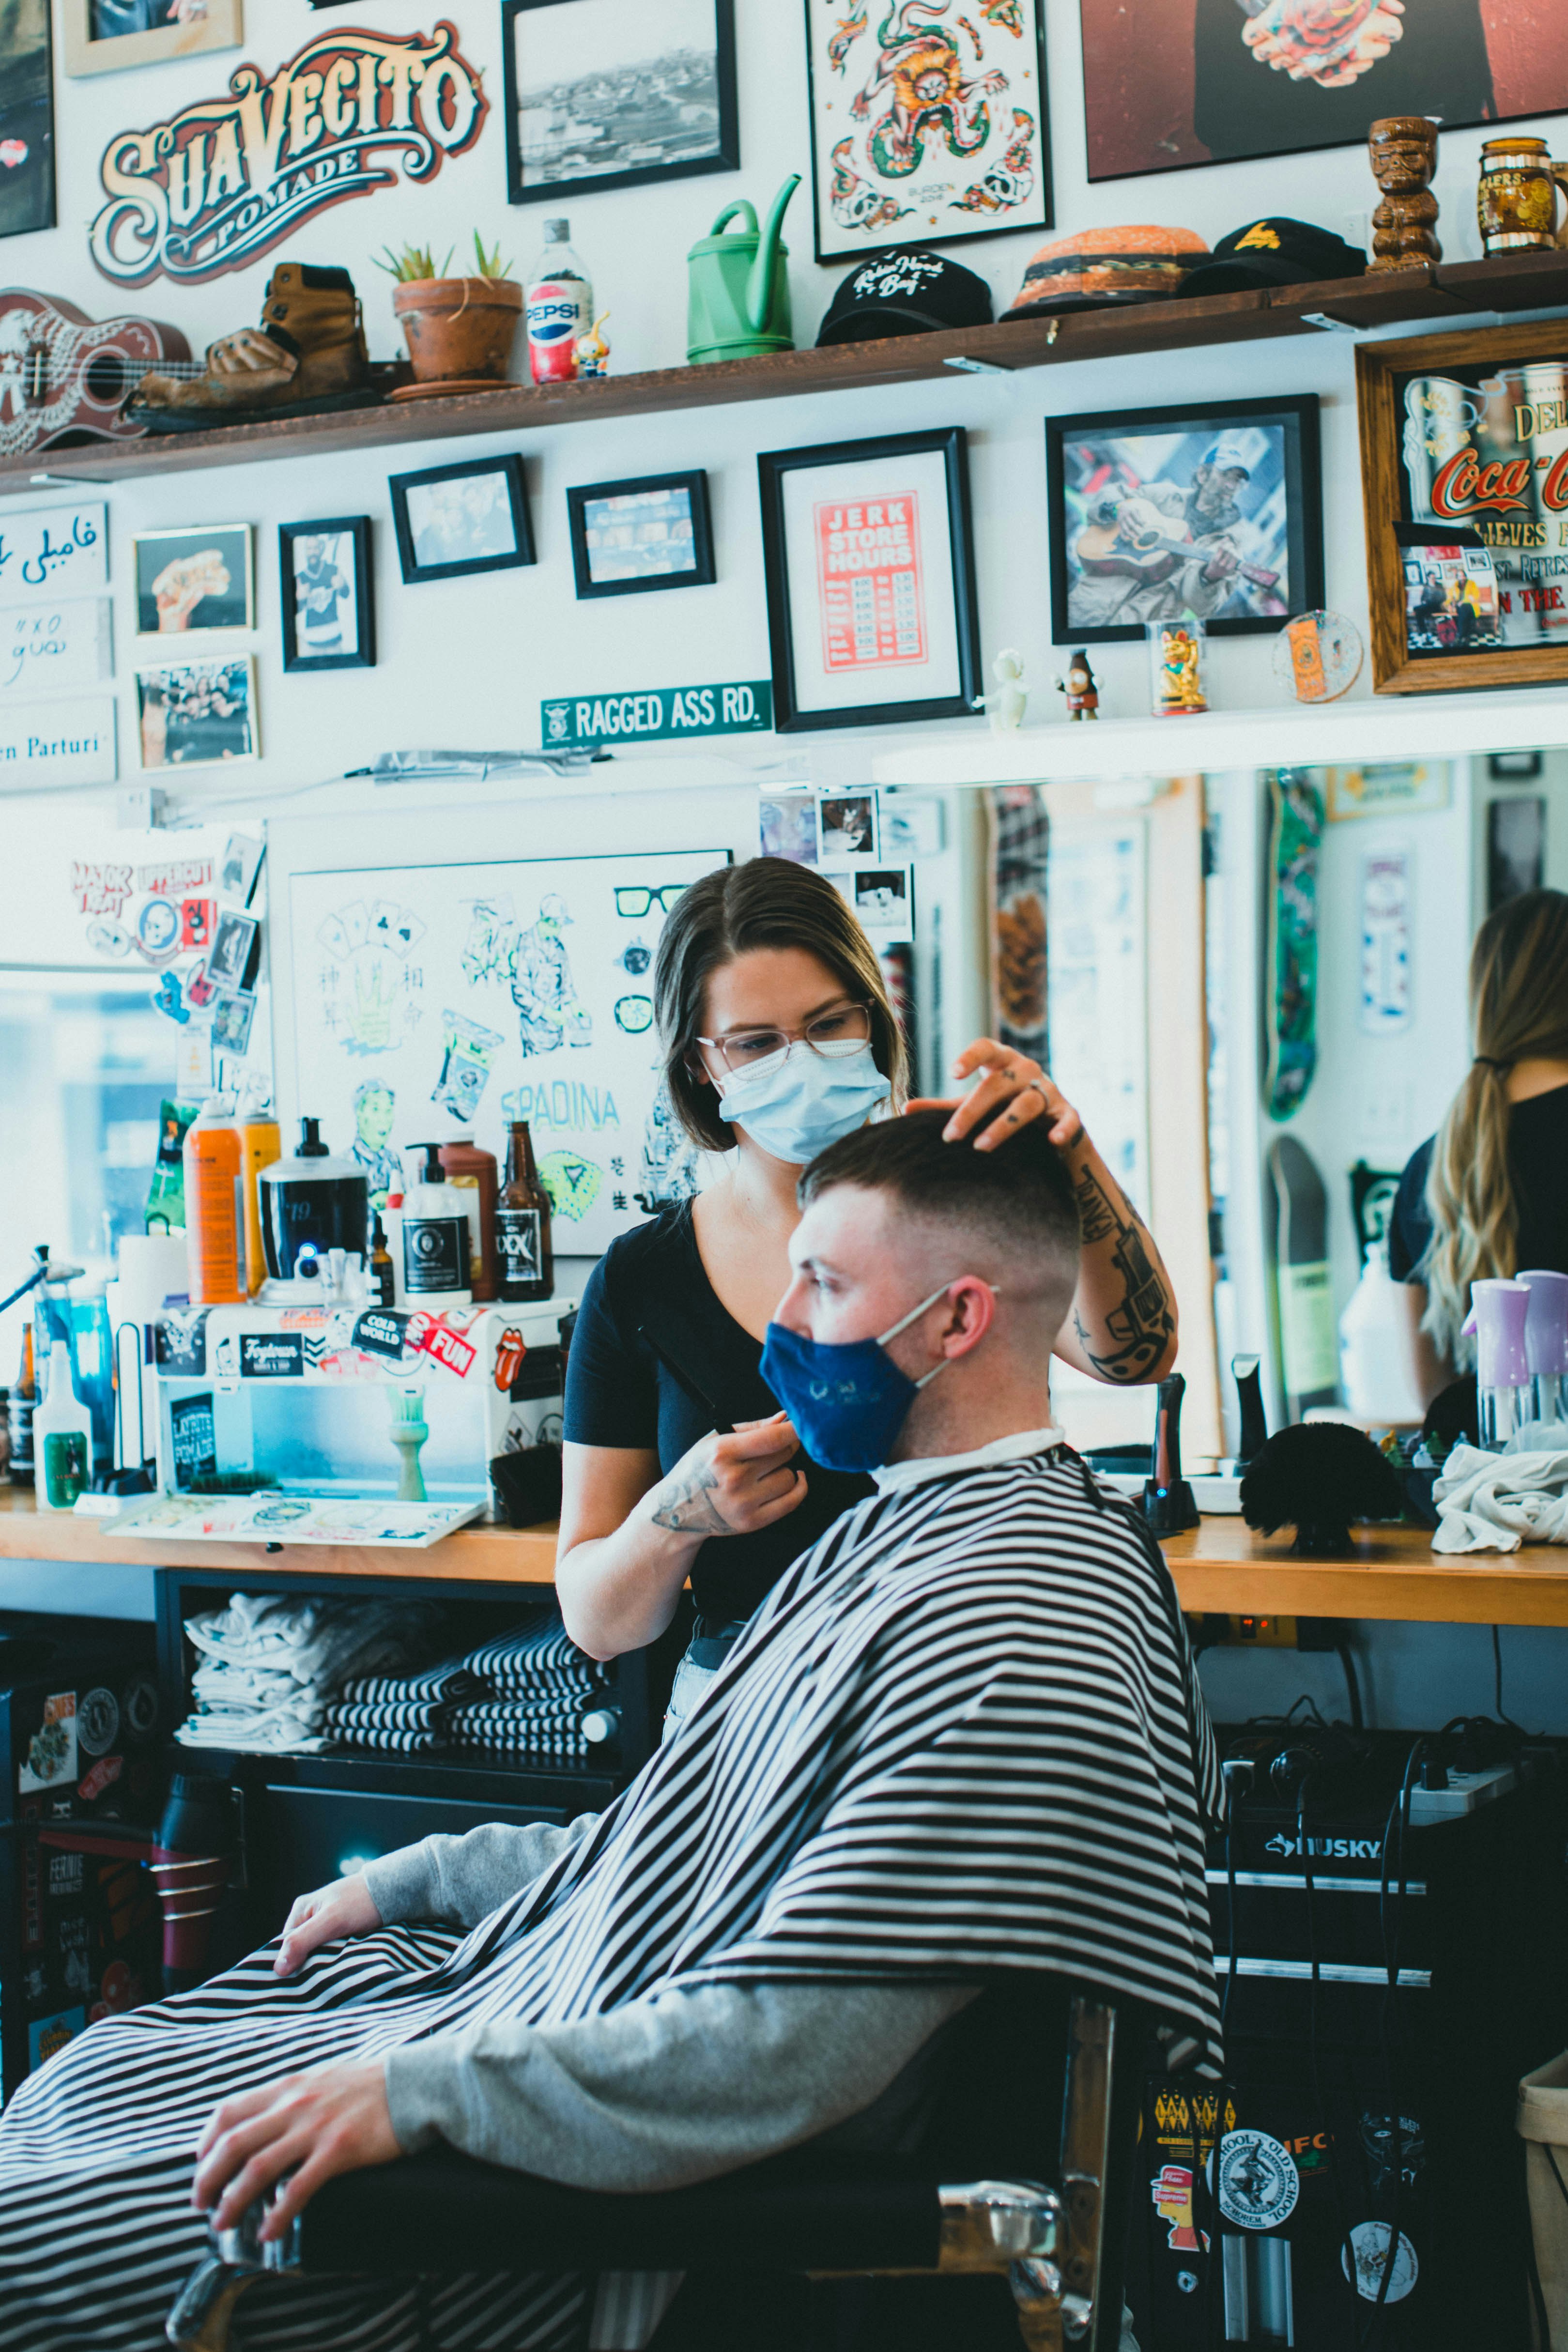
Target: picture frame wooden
x,y
674,503
27,120
869,170
308,619
182,571
631,131
1141,515
423,521
89,51
1514,496
850,625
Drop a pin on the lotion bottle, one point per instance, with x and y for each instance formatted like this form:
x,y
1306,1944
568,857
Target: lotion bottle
x,y
435,1238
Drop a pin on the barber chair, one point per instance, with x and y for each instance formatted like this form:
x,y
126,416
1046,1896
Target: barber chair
x,y
1021,2180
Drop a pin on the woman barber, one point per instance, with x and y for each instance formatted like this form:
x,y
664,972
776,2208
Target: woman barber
x,y
1488,1194
778,1038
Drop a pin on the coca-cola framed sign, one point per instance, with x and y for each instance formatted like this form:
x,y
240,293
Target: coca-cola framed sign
x,y
1464,444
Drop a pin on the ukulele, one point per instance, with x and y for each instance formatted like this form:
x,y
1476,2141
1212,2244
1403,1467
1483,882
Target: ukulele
x,y
1137,546
64,380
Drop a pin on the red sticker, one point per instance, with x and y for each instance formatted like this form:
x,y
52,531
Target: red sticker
x,y
448,1347
103,1775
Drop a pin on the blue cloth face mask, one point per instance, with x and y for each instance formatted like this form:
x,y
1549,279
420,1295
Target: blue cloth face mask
x,y
846,1398
800,1100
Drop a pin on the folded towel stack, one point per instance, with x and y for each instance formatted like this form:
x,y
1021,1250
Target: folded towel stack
x,y
271,1665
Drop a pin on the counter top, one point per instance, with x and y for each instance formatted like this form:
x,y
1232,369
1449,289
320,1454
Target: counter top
x,y
1389,1573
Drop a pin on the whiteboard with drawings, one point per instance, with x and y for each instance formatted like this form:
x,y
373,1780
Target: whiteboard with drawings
x,y
430,1001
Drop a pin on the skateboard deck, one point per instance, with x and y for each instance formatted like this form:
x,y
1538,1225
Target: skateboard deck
x,y
1309,1335
1295,841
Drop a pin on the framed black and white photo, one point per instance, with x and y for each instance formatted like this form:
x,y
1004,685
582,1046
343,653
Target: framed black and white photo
x,y
329,612
235,957
882,898
190,582
197,714
613,93
847,831
927,127
26,119
454,519
107,35
630,537
869,558
1212,511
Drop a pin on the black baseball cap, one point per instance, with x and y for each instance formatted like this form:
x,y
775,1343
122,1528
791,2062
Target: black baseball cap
x,y
915,293
1275,253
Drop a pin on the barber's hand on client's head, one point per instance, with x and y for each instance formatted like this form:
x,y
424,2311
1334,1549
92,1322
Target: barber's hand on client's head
x,y
344,1908
1014,1087
332,2119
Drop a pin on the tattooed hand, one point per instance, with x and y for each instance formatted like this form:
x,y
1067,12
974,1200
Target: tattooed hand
x,y
734,1485
1008,1079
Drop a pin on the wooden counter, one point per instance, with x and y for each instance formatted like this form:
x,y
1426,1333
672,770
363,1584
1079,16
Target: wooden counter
x,y
1391,1573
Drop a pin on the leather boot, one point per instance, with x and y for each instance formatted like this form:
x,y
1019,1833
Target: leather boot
x,y
308,355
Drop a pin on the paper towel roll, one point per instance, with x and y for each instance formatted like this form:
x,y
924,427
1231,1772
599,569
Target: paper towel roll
x,y
151,1267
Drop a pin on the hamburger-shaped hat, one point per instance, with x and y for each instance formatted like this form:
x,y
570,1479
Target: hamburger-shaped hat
x,y
1098,266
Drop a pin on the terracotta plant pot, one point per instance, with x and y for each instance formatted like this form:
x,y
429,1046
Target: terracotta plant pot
x,y
459,328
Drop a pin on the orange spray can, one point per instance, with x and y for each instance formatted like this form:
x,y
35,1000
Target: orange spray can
x,y
213,1220
260,1143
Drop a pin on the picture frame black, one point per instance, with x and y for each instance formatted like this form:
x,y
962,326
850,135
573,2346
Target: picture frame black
x,y
27,68
792,711
1298,582
357,528
509,469
726,155
698,573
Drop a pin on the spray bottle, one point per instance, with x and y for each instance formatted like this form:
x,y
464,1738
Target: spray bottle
x,y
62,1437
260,1143
1546,1350
213,1220
1503,1389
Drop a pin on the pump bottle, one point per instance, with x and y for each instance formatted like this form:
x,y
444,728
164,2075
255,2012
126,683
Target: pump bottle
x,y
435,1238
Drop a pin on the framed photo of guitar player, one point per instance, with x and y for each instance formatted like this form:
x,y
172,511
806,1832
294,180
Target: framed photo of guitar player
x,y
1213,511
107,35
1465,483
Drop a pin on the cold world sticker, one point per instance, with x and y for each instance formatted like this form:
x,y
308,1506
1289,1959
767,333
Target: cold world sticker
x,y
1258,2182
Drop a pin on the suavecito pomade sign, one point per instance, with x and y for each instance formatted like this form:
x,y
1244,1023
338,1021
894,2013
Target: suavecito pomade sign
x,y
222,182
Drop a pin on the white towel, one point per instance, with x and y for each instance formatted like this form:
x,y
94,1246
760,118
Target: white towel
x,y
1495,1502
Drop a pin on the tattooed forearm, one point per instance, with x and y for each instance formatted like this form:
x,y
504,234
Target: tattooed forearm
x,y
1127,1340
687,1505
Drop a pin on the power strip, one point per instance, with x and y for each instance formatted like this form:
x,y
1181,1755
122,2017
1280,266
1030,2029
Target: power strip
x,y
1466,1793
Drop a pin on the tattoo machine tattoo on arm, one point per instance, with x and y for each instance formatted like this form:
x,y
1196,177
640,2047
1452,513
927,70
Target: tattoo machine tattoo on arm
x,y
1139,1330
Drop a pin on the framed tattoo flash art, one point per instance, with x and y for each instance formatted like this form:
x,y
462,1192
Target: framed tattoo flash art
x,y
1465,482
1175,82
869,564
329,610
928,123
1216,511
613,94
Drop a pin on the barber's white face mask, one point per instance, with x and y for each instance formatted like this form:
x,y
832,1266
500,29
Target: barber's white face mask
x,y
799,1101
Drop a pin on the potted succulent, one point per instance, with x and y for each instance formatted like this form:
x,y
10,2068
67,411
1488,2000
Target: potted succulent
x,y
459,331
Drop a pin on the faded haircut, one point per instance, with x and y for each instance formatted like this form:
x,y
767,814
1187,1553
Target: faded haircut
x,y
1017,1200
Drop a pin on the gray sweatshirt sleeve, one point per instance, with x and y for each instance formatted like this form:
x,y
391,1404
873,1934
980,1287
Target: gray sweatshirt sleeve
x,y
680,2086
464,1879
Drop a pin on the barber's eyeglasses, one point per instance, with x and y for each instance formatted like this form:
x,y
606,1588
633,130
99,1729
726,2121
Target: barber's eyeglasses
x,y
842,1031
634,901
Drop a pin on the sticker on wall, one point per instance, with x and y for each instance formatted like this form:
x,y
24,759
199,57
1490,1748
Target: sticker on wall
x,y
1258,2182
44,744
1407,785
657,714
215,186
45,647
47,552
469,1049
1370,2244
1386,943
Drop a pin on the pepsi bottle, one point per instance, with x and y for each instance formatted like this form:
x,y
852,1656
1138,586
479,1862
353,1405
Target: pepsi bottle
x,y
559,306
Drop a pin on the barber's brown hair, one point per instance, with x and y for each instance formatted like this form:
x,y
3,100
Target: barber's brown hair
x,y
768,902
1519,1011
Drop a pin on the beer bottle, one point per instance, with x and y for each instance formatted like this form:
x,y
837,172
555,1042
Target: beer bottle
x,y
523,1258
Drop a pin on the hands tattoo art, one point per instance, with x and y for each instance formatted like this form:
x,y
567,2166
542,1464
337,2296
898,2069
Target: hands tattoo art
x,y
1139,1330
687,1505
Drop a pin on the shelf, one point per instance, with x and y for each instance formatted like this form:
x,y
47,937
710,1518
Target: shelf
x,y
1523,281
1392,1574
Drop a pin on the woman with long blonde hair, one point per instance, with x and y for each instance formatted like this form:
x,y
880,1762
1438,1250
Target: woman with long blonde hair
x,y
1488,1194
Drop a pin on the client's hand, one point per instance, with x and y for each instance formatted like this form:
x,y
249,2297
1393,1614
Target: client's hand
x,y
334,2119
1010,1077
344,1908
731,1485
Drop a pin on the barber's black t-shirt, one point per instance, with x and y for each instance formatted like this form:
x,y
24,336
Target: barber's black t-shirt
x,y
1240,107
1538,1172
618,1393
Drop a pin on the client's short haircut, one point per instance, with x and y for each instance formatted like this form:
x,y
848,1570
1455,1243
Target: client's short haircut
x,y
1020,1197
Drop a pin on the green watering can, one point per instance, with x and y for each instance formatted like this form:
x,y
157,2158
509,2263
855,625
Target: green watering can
x,y
739,304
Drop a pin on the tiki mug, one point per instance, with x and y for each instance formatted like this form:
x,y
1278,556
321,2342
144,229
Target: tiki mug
x,y
1404,151
1516,197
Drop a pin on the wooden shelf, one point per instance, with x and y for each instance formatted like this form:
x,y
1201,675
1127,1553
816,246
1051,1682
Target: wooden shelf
x,y
1523,281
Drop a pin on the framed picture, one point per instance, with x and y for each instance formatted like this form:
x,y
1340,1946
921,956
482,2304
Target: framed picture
x,y
1214,510
232,1017
847,830
105,36
926,131
1178,82
630,537
26,119
454,519
328,609
869,558
613,93
190,581
1465,487
235,956
883,898
197,714
786,826
1516,848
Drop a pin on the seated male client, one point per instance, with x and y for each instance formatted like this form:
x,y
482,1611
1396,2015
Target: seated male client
x,y
962,1736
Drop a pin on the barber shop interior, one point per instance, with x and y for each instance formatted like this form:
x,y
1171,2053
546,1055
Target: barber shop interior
x,y
783,1376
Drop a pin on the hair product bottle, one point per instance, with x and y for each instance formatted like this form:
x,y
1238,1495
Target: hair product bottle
x,y
472,1172
435,1238
260,1143
527,1264
62,1437
214,1222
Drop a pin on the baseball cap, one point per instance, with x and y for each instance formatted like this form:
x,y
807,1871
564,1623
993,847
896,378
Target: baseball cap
x,y
1275,252
1228,455
1097,265
914,293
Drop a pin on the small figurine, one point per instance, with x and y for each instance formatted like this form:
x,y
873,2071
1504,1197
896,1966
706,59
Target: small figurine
x,y
1007,704
1404,151
1078,686
592,349
1176,650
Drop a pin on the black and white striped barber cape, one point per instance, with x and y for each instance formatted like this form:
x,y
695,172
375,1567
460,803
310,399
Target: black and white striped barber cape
x,y
955,1738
